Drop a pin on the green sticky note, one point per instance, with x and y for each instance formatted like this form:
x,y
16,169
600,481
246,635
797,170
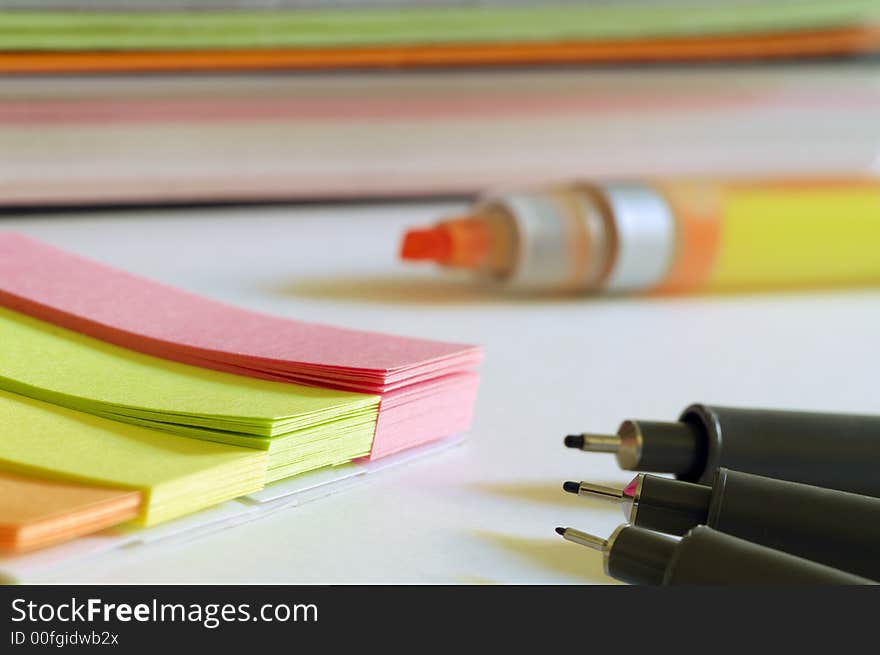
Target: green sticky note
x,y
176,475
302,428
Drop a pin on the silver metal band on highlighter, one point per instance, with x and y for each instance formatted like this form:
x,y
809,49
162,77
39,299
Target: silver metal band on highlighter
x,y
645,236
543,242
552,235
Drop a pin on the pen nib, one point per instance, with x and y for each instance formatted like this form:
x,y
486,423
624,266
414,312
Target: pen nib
x,y
594,443
582,538
598,490
574,441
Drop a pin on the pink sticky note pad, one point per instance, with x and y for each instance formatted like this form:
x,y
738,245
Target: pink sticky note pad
x,y
143,315
427,412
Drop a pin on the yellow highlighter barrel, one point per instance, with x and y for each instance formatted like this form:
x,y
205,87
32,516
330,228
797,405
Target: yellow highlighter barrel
x,y
819,233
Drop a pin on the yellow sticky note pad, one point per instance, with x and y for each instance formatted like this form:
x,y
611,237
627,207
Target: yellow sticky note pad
x,y
302,428
176,475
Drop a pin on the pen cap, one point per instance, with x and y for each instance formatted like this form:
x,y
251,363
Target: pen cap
x,y
638,556
706,556
840,451
670,506
825,525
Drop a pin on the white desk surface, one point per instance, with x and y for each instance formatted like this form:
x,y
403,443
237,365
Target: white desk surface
x,y
484,512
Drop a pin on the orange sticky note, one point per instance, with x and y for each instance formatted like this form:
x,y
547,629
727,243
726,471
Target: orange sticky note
x,y
35,513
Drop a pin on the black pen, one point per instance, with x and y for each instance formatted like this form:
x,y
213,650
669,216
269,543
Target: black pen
x,y
839,451
702,556
836,528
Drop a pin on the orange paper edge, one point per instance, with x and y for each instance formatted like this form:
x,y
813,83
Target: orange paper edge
x,y
816,43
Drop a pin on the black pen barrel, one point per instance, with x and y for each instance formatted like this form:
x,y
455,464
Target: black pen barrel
x,y
838,451
706,556
833,527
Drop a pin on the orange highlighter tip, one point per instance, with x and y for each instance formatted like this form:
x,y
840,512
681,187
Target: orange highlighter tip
x,y
431,244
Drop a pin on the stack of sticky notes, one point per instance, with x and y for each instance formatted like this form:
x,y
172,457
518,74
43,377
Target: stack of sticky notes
x,y
46,564
175,475
301,428
91,393
417,379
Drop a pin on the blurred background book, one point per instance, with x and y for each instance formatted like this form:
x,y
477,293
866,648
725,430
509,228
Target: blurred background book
x,y
179,101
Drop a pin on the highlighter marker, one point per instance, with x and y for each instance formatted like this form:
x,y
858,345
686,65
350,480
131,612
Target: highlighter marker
x,y
666,236
836,528
702,556
839,451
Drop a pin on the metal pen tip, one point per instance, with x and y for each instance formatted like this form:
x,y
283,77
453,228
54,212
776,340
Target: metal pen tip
x,y
582,538
594,443
627,496
598,490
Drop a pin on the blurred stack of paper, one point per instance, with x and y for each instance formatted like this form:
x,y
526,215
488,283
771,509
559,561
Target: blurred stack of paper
x,y
128,138
35,513
175,475
95,35
286,136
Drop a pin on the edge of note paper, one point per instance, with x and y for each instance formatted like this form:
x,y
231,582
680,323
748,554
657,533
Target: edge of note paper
x,y
45,565
319,483
36,513
320,27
